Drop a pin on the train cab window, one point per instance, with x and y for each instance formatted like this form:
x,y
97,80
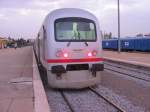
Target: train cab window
x,y
75,29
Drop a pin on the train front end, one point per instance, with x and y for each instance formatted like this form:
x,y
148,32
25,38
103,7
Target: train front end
x,y
75,58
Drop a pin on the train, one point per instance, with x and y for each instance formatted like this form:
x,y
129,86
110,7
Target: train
x,y
128,44
69,46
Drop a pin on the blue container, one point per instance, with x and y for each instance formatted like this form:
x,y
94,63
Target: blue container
x,y
105,44
148,46
110,44
145,44
142,44
137,44
134,43
115,44
127,44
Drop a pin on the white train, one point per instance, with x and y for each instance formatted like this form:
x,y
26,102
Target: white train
x,y
69,46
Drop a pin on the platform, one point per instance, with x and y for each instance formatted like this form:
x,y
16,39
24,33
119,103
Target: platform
x,y
136,58
16,90
21,88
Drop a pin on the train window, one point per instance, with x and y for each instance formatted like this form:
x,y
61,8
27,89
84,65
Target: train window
x,y
75,29
64,26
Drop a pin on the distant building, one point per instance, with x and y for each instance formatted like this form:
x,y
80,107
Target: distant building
x,y
139,35
147,35
3,42
143,35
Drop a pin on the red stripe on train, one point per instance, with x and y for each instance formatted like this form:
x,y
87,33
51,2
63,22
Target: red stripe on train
x,y
74,60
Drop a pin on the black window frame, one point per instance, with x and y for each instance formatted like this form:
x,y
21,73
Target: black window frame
x,y
74,19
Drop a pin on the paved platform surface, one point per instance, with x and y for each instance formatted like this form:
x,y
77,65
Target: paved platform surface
x,y
138,58
16,89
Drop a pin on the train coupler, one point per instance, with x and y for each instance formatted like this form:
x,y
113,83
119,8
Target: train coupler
x,y
58,70
94,73
58,76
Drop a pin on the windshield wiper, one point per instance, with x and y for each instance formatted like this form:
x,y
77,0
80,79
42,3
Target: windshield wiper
x,y
79,38
86,43
68,44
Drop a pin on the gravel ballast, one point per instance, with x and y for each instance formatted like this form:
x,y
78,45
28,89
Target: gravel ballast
x,y
134,90
121,101
87,101
56,102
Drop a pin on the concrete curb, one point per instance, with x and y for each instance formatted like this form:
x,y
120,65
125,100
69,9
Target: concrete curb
x,y
40,98
128,62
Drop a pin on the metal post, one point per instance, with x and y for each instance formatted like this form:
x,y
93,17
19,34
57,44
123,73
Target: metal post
x,y
119,42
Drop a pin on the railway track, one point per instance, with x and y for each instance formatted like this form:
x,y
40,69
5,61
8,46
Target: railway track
x,y
86,100
128,71
134,68
118,109
67,101
111,103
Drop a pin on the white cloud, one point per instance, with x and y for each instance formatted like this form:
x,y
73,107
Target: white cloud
x,y
24,11
110,7
45,3
3,17
29,14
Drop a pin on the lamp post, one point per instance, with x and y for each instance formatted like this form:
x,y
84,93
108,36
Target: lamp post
x,y
119,42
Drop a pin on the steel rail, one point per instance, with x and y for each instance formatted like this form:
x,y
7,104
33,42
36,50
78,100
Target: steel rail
x,y
108,63
110,102
127,74
66,100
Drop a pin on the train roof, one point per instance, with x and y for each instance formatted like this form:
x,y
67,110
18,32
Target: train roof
x,y
70,12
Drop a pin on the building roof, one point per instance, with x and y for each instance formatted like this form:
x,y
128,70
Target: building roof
x,y
3,38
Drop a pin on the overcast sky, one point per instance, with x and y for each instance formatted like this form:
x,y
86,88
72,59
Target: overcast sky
x,y
23,18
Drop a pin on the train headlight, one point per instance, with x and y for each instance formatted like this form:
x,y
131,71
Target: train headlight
x,y
89,54
65,55
60,53
93,53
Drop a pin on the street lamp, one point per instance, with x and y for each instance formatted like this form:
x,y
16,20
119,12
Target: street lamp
x,y
119,42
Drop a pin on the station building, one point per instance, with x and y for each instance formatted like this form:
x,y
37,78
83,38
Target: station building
x,y
3,42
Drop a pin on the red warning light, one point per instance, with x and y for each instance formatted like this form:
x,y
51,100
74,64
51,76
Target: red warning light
x,y
66,55
89,54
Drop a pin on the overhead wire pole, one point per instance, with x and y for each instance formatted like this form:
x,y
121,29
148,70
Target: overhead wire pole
x,y
119,42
